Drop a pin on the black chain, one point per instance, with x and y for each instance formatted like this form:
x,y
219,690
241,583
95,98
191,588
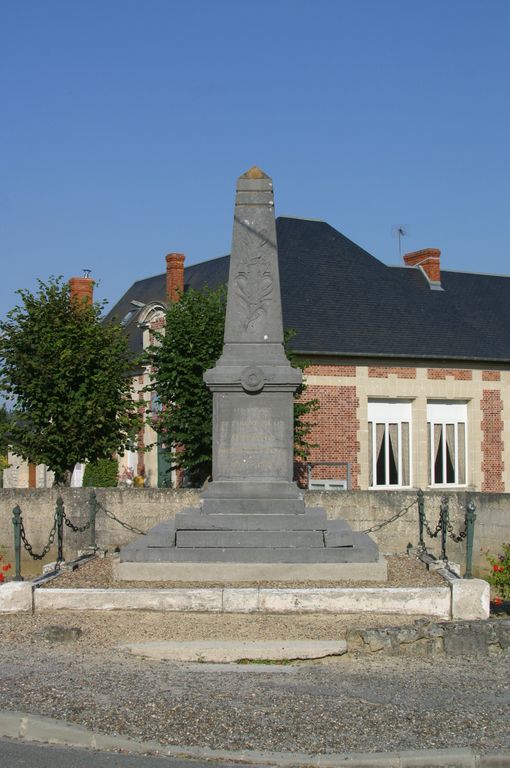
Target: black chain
x,y
432,533
120,522
462,535
28,546
392,519
75,528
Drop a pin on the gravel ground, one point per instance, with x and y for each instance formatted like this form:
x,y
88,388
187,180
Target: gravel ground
x,y
403,571
343,704
346,705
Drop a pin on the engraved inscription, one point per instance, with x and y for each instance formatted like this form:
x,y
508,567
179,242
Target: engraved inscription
x,y
253,444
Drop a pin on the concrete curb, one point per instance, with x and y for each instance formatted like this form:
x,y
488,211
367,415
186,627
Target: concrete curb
x,y
225,652
417,601
458,599
27,727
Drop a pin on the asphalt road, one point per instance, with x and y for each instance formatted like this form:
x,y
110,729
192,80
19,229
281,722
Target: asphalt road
x,y
15,754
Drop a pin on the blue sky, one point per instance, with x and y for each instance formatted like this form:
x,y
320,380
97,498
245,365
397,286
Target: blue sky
x,y
124,125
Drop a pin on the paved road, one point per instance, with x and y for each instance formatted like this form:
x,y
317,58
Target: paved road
x,y
20,755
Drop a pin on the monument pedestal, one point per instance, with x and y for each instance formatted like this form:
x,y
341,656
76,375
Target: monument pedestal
x,y
252,518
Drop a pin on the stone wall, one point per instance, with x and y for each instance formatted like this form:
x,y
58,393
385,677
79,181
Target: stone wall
x,y
143,508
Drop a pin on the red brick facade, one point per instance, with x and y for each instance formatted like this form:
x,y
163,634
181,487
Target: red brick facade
x,y
331,370
491,375
382,372
335,430
459,374
492,443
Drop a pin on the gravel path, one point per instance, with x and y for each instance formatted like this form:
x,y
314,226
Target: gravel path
x,y
403,571
344,704
349,704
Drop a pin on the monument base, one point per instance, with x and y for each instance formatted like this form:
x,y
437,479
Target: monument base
x,y
251,573
256,547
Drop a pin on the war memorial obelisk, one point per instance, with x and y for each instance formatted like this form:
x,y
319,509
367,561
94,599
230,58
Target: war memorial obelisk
x,y
252,523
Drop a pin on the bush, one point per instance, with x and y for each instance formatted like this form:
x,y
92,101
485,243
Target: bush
x,y
499,577
101,474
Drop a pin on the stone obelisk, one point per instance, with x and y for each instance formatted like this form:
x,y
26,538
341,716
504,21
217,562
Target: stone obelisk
x,y
253,383
252,522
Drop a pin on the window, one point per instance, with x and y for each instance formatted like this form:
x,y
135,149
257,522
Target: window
x,y
447,443
389,443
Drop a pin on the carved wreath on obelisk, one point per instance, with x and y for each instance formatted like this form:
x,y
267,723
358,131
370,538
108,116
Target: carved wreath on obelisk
x,y
254,283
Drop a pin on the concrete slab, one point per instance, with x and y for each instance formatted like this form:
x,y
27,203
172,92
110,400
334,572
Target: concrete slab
x,y
470,599
250,572
417,601
432,601
16,597
221,651
128,599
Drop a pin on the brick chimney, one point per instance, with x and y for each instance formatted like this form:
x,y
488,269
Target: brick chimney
x,y
428,260
174,276
82,289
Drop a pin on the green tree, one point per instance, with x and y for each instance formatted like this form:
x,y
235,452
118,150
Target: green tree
x,y
4,443
5,419
191,343
66,374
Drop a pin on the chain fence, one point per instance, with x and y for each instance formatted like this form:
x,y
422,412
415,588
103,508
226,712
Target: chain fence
x,y
443,528
396,516
125,525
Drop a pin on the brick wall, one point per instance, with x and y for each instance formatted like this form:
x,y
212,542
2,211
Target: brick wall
x,y
492,443
382,372
335,429
331,370
459,374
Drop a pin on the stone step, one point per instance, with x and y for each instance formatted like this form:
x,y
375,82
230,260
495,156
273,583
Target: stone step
x,y
338,534
364,550
264,506
250,539
313,519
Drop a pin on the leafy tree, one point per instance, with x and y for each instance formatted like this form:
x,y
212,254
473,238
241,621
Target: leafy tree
x,y
66,374
5,419
191,343
4,443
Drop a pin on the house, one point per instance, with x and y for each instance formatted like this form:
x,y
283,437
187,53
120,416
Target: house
x,y
410,363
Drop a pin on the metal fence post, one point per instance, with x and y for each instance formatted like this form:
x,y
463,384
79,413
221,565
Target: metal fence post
x,y
421,517
16,524
59,512
92,518
470,535
443,519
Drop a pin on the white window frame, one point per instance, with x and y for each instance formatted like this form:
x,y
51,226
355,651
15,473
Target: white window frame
x,y
390,412
443,412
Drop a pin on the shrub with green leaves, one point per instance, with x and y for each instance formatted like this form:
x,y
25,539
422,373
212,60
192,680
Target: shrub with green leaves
x,y
102,473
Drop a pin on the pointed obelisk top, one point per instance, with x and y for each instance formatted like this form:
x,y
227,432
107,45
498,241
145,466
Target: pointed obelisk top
x,y
255,173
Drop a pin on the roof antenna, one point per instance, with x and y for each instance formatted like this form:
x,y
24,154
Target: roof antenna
x,y
86,272
400,232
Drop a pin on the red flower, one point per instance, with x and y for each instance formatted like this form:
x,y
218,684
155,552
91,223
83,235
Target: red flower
x,y
497,601
5,567
2,577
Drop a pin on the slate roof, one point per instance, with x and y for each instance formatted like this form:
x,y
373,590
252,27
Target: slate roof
x,y
343,301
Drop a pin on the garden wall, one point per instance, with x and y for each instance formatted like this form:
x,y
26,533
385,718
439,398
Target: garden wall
x,y
143,508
